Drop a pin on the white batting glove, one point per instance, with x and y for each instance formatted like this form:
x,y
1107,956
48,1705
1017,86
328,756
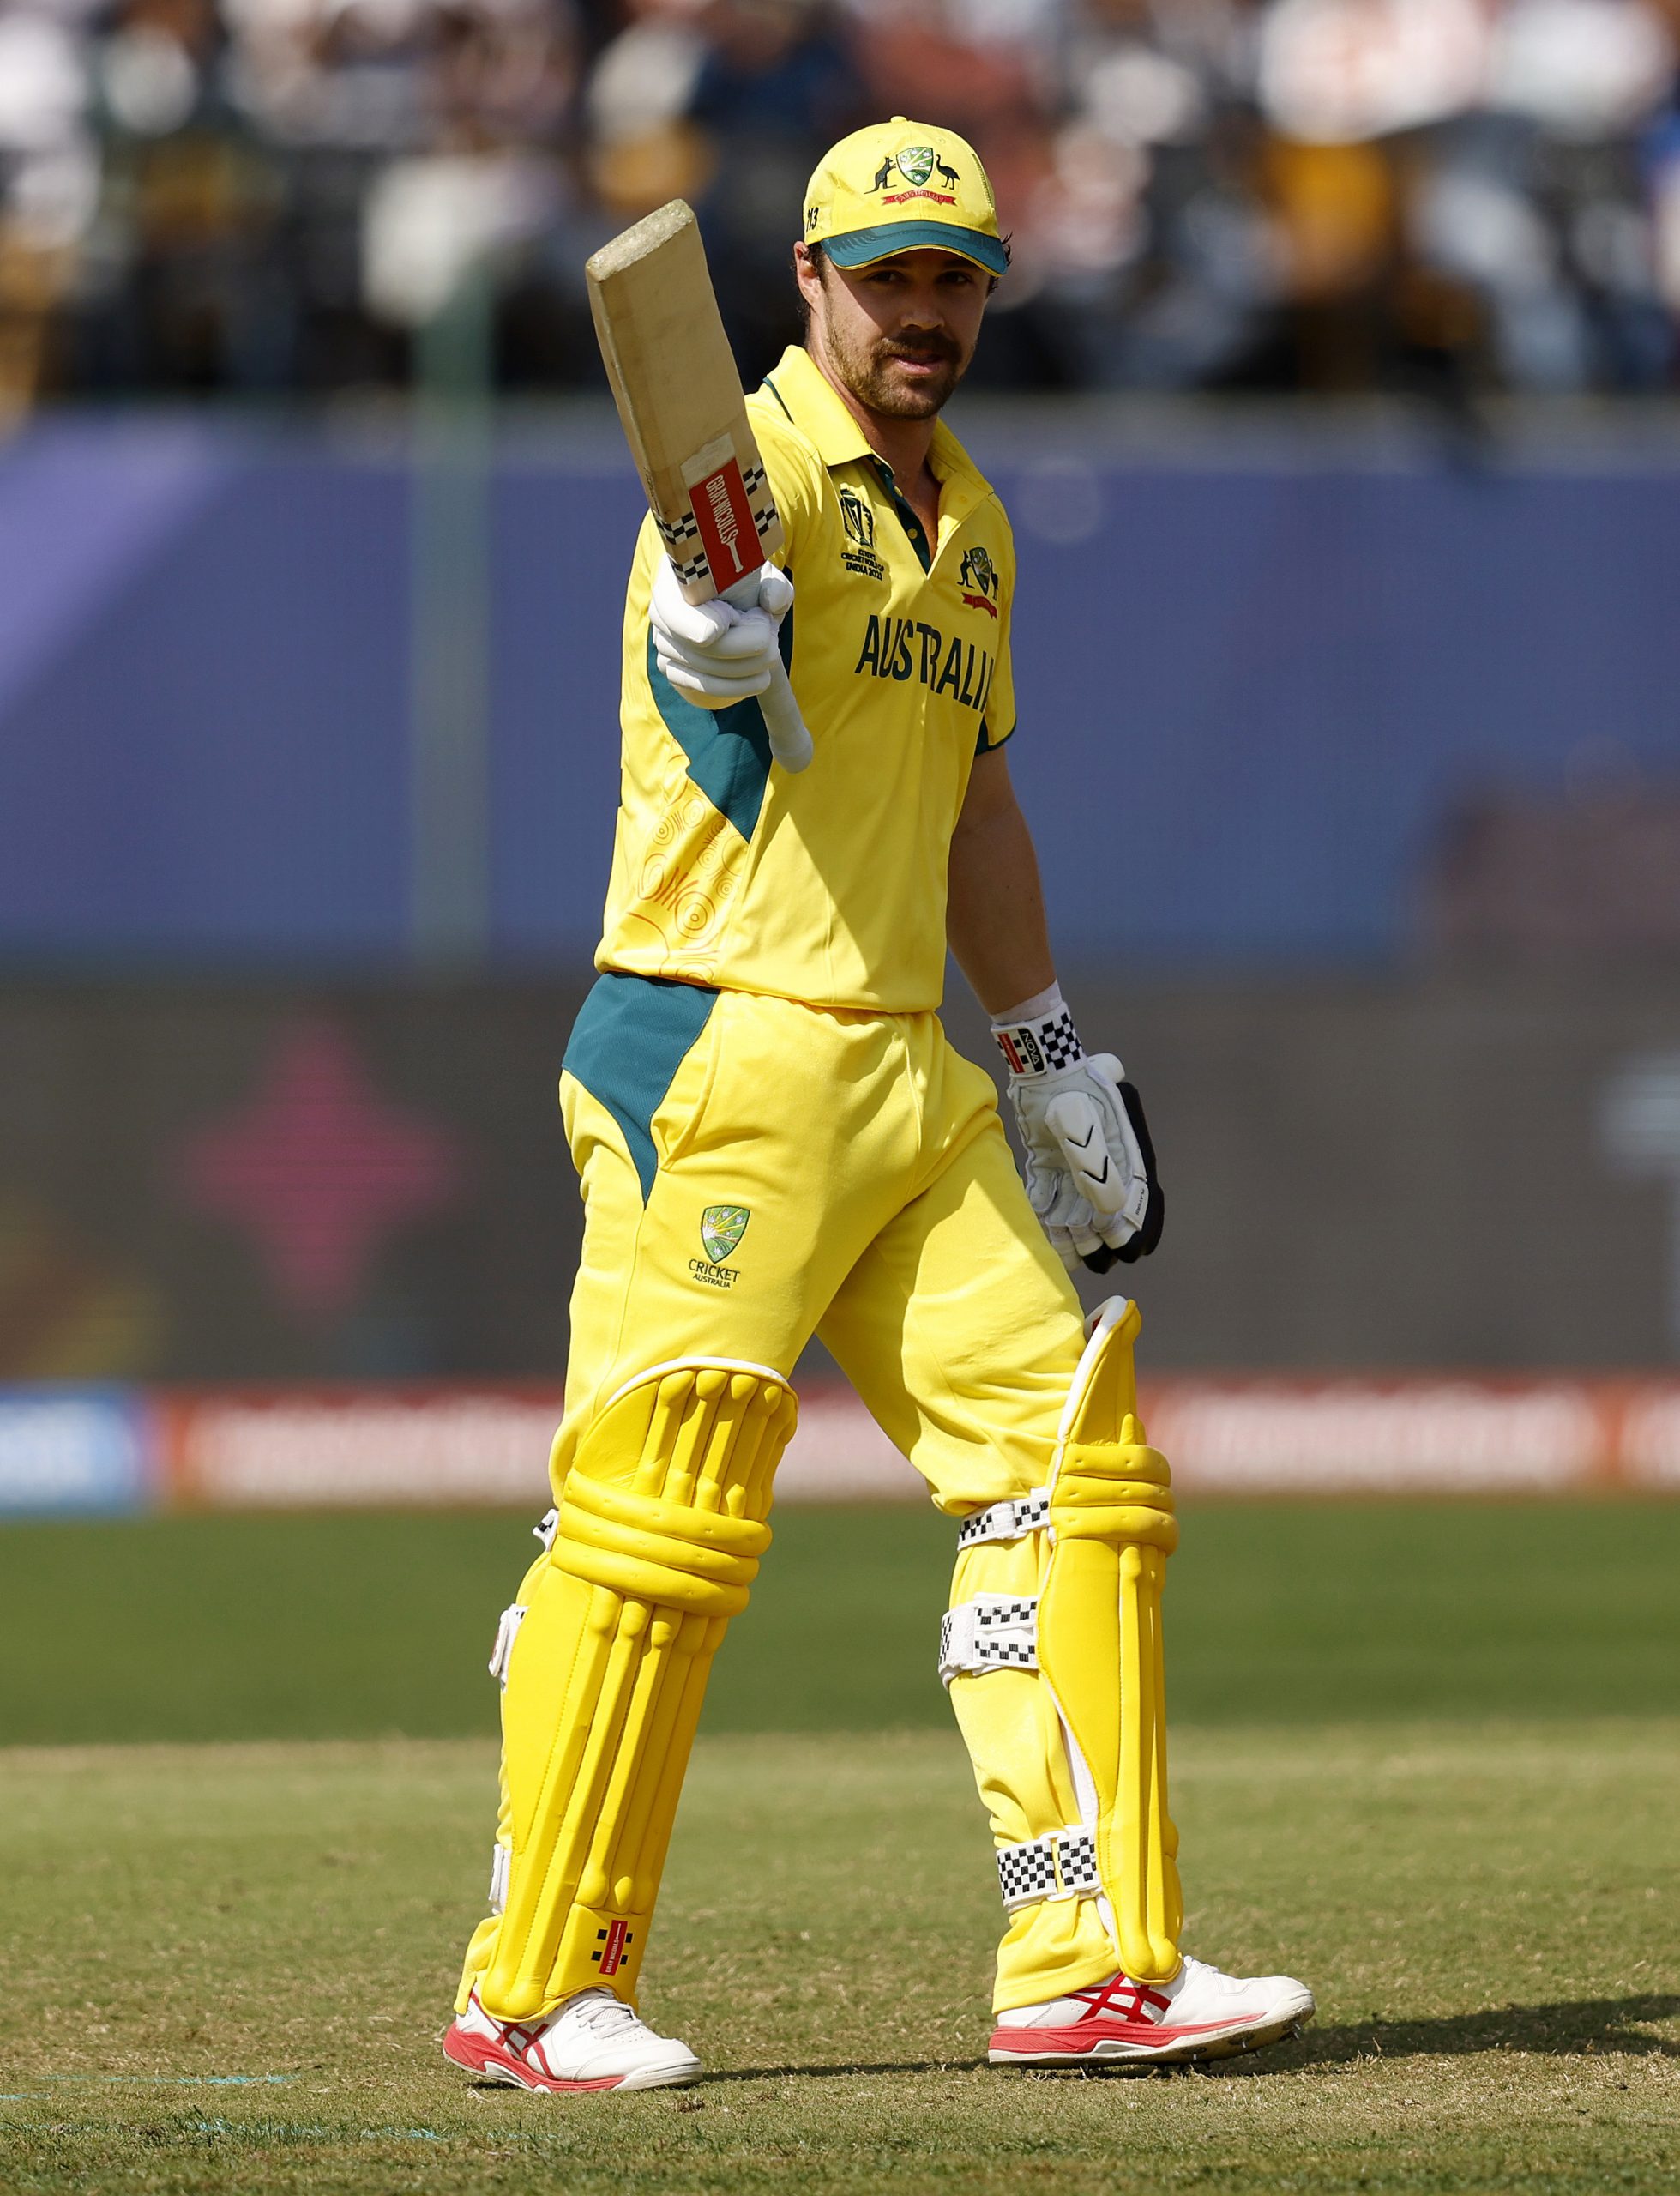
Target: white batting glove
x,y
713,654
1090,1164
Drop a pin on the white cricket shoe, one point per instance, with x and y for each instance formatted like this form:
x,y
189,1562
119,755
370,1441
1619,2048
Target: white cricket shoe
x,y
1200,2014
593,2042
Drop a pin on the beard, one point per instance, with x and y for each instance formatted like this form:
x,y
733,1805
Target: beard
x,y
866,368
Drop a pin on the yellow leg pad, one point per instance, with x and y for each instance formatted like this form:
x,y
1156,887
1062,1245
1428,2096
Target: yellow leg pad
x,y
1099,1639
660,1531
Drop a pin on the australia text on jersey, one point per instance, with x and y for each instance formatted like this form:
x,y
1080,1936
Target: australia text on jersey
x,y
906,648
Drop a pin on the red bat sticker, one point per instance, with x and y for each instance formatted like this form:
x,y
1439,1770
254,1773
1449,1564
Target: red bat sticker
x,y
728,533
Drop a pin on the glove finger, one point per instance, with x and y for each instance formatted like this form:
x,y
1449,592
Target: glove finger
x,y
752,634
710,663
1074,1121
712,685
1116,1229
672,657
700,624
775,591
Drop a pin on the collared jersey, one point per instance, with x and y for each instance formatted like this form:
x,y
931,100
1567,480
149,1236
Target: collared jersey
x,y
828,886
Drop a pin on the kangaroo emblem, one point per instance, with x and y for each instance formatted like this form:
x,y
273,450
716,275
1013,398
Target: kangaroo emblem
x,y
885,176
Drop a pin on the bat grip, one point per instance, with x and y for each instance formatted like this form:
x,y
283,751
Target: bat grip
x,y
789,741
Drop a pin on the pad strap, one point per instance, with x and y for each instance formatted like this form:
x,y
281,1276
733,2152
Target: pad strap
x,y
506,1631
1061,1864
1007,1521
994,1631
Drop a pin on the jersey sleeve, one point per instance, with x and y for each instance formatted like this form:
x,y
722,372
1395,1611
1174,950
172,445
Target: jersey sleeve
x,y
997,719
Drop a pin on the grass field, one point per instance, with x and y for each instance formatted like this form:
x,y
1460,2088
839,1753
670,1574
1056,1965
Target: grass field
x,y
251,1627
1427,1758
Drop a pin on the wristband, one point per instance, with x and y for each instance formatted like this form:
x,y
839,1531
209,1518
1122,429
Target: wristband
x,y
1042,1042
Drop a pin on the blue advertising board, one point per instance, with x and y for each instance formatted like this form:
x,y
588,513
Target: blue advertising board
x,y
74,1451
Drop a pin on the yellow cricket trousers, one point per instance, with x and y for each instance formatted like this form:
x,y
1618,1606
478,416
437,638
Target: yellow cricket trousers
x,y
756,1171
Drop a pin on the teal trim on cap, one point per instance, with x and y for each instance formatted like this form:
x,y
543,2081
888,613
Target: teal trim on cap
x,y
864,245
626,1047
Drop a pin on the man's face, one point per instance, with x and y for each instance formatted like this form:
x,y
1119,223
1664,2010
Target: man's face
x,y
899,334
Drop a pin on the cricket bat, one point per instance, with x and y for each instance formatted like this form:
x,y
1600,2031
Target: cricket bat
x,y
678,392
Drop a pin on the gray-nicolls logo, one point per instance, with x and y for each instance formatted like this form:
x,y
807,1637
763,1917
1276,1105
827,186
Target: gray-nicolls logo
x,y
1639,1124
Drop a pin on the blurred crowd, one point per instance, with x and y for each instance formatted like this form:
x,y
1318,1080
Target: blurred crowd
x,y
260,197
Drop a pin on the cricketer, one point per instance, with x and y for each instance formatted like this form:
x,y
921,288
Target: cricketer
x,y
775,1139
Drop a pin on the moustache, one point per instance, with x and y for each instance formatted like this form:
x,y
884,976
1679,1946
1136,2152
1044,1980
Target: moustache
x,y
931,347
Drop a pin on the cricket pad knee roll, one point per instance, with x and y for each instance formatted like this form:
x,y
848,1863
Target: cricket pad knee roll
x,y
1098,1636
660,1529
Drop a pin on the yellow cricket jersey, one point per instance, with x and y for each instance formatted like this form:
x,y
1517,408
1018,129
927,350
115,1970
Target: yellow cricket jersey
x,y
828,886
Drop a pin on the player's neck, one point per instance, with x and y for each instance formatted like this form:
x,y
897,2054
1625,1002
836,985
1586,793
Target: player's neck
x,y
904,444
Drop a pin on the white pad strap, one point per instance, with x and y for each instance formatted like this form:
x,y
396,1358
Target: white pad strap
x,y
547,1529
994,1631
1007,1521
501,1861
1061,1864
506,1633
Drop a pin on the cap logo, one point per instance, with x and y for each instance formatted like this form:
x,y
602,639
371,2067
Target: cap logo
x,y
915,164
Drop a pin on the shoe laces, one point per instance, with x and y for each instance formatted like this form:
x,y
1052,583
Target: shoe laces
x,y
601,2013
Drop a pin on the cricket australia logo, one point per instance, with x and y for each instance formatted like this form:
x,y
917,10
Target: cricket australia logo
x,y
721,1228
916,163
979,579
858,550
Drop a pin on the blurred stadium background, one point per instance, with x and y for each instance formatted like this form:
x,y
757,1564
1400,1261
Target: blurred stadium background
x,y
1333,392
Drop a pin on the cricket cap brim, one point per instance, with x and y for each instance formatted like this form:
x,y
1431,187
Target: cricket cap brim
x,y
862,247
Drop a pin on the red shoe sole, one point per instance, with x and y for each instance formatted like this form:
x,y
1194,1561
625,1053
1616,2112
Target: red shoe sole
x,y
477,2055
1138,2042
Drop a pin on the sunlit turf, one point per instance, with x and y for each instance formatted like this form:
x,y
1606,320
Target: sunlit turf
x,y
227,1967
243,1627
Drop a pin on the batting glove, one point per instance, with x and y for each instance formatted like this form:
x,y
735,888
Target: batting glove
x,y
713,654
1090,1164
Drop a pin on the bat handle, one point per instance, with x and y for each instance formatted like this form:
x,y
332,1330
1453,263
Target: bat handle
x,y
789,741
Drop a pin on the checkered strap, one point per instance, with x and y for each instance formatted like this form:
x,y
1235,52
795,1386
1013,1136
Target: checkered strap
x,y
1061,1864
1040,1046
994,1631
1006,1521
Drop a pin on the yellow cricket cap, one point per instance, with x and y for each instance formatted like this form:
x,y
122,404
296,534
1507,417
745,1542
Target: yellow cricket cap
x,y
903,186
